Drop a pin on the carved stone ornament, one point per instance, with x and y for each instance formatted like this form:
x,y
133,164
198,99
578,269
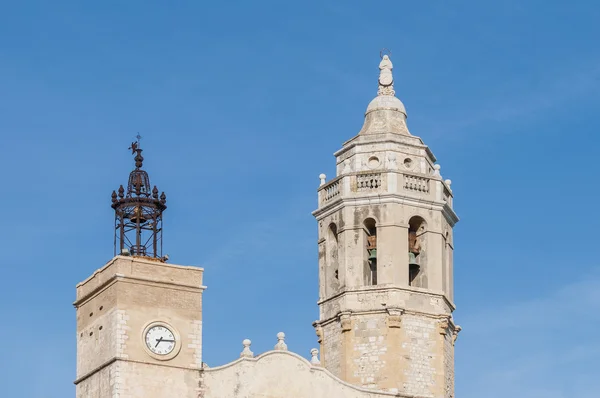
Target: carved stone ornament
x,y
281,346
314,360
443,326
394,318
319,332
455,332
246,353
347,166
392,161
345,322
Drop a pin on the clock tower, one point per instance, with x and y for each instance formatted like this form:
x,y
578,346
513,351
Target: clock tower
x,y
139,318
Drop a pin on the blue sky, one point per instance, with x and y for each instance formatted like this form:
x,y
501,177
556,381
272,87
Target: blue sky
x,y
241,106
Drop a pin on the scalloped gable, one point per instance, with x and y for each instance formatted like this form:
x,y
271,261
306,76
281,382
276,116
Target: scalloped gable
x,y
278,374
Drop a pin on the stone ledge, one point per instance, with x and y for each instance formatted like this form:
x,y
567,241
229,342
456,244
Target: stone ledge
x,y
357,291
134,268
382,198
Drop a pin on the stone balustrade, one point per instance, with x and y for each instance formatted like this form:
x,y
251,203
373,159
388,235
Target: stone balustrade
x,y
416,183
372,182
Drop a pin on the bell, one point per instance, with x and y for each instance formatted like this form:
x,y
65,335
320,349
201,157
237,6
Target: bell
x,y
412,259
372,254
138,214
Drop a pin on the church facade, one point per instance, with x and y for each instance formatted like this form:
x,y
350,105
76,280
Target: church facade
x,y
385,327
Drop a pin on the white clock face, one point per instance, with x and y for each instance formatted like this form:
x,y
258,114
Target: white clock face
x,y
160,340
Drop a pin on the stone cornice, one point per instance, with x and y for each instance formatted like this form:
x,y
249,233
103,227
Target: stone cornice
x,y
450,215
382,198
137,260
390,138
401,311
115,359
382,288
133,279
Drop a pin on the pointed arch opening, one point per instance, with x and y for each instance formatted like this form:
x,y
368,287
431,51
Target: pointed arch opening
x,y
370,269
417,252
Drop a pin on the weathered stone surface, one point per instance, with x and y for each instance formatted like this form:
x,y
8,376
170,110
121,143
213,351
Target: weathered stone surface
x,y
114,306
278,374
379,319
385,327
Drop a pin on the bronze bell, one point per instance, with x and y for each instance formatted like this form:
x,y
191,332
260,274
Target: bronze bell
x,y
372,254
412,259
138,214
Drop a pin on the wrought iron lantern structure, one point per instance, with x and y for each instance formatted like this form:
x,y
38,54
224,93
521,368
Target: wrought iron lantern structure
x,y
138,213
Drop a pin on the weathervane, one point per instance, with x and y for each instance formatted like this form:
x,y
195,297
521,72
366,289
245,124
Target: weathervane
x,y
138,213
135,144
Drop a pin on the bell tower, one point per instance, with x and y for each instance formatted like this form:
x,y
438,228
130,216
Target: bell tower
x,y
139,318
385,258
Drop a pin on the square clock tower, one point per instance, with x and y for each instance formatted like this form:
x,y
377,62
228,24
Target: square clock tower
x,y
139,319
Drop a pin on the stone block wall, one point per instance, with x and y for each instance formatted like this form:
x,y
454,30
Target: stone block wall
x,y
331,354
449,365
99,384
369,350
421,347
144,380
407,353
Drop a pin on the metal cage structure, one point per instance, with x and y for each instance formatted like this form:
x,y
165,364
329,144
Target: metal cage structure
x,y
138,214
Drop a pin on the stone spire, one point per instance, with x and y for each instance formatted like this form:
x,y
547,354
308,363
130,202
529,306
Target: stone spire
x,y
386,113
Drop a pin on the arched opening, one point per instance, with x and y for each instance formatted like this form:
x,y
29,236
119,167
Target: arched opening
x,y
416,252
370,274
332,264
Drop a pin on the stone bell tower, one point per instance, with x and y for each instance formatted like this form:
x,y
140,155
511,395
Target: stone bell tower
x,y
385,258
139,319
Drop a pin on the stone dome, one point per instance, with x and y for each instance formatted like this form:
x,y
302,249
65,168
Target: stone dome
x,y
386,102
385,113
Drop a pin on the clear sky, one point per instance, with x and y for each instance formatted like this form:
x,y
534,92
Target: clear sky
x,y
241,105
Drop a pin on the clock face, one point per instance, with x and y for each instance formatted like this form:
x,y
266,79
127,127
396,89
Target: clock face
x,y
160,340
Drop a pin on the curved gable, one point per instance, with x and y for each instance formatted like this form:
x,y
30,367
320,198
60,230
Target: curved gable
x,y
278,374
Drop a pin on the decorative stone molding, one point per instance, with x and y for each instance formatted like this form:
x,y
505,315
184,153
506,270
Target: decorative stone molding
x,y
347,168
319,332
444,325
246,353
392,165
345,321
455,332
281,346
394,318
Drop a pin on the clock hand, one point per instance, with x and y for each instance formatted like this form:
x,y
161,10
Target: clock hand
x,y
158,341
